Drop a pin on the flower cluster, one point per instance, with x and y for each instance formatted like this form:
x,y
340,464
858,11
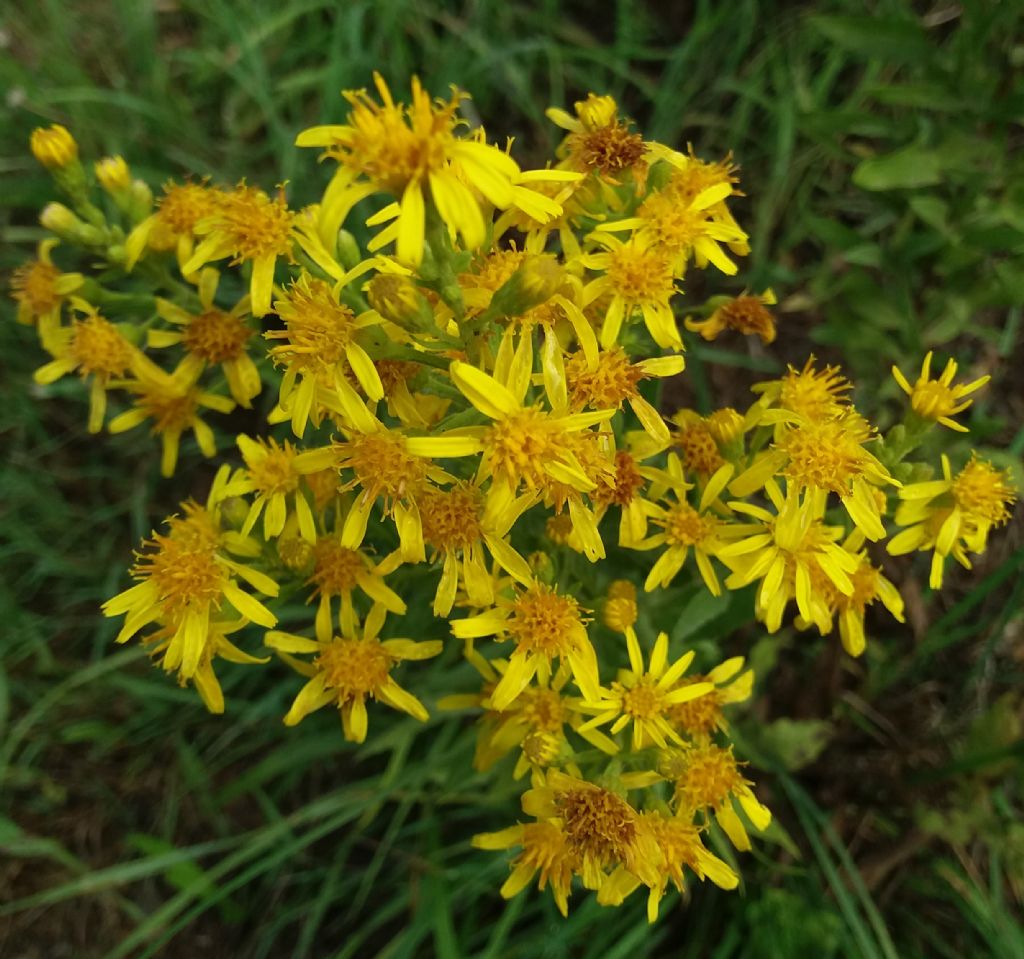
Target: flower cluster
x,y
464,414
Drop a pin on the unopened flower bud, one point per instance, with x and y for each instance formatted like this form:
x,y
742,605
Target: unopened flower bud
x,y
620,614
54,148
348,250
141,201
596,111
538,279
543,568
233,512
60,220
725,425
397,298
295,553
113,175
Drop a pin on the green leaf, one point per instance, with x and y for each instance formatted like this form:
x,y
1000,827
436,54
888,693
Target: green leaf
x,y
913,166
796,743
875,38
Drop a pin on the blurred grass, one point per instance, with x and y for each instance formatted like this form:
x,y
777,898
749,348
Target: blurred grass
x,y
880,147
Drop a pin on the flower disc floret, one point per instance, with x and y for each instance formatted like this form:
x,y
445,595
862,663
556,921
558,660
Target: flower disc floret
x,y
984,491
451,517
216,336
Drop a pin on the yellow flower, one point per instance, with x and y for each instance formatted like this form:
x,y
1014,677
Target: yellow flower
x,y
320,344
95,349
535,722
213,336
637,277
679,227
599,141
337,572
701,717
251,227
185,577
270,473
173,401
613,381
939,399
544,625
415,153
172,226
826,456
680,843
544,850
785,551
707,777
953,515
697,443
809,393
601,829
685,527
619,611
525,445
869,585
458,524
645,697
746,314
349,669
54,147
386,464
217,646
40,290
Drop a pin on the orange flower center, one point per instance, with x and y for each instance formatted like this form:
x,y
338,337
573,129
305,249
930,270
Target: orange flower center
x,y
255,224
216,336
354,667
545,622
451,518
598,824
99,348
640,275
336,569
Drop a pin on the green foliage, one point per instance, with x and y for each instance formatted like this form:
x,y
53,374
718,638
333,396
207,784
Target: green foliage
x,y
886,208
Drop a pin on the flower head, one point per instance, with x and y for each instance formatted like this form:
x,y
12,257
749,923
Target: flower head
x,y
54,147
544,850
172,225
40,289
681,848
349,669
636,277
213,337
708,778
701,717
939,399
186,575
251,227
94,348
746,314
415,152
953,515
601,828
599,141
173,402
319,344
645,697
544,625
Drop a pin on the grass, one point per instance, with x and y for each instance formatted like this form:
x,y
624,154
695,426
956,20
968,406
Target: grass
x,y
880,151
